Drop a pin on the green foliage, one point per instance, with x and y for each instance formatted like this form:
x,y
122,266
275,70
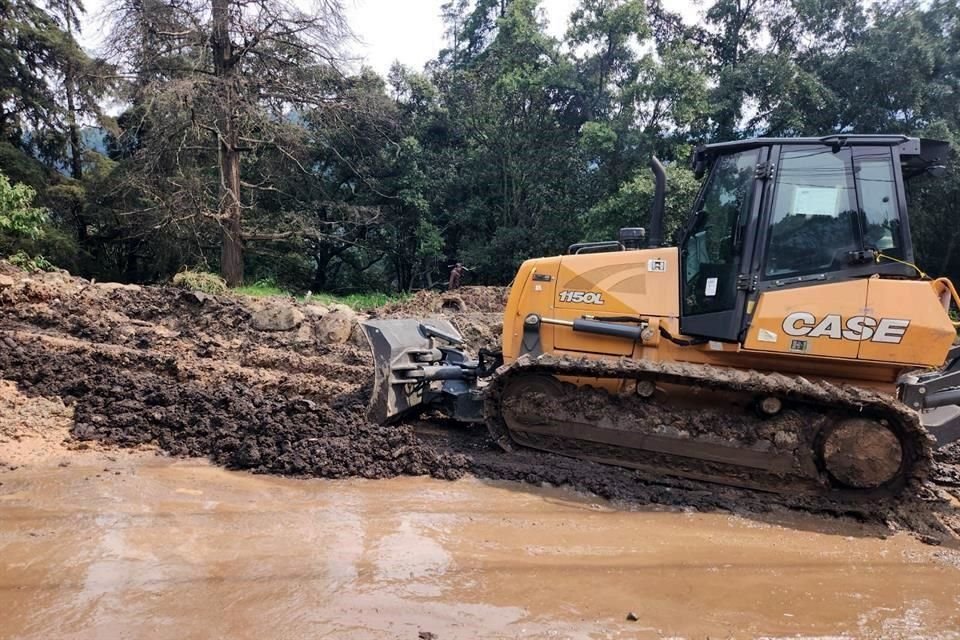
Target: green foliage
x,y
359,301
265,288
289,270
597,138
18,216
55,245
47,81
22,226
20,167
510,144
30,263
200,281
630,205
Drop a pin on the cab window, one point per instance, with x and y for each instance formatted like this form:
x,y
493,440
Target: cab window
x,y
710,248
829,204
814,221
877,192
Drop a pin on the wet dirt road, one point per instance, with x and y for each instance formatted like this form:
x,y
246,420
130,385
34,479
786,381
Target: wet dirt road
x,y
153,548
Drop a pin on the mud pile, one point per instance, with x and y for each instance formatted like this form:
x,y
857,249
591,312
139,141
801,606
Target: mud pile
x,y
462,300
947,469
130,401
193,374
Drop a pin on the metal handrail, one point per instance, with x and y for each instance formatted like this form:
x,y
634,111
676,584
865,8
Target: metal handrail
x,y
602,245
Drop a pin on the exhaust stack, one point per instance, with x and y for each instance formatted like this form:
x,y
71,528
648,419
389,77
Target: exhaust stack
x,y
656,209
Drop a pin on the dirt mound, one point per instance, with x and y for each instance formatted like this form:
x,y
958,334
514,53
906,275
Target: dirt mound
x,y
124,399
145,316
463,300
949,454
190,373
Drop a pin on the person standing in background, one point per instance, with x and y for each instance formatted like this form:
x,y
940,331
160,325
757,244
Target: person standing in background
x,y
456,275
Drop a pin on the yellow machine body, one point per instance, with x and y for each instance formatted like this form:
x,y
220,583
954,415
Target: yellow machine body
x,y
865,331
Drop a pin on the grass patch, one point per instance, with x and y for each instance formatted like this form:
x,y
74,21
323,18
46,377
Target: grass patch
x,y
356,301
200,281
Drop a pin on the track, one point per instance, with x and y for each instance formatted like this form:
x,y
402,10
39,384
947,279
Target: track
x,y
703,423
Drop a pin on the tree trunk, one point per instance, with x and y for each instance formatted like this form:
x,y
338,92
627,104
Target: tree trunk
x,y
322,261
76,151
76,162
131,267
231,256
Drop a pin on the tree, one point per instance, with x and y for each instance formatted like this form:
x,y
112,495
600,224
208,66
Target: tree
x,y
514,126
733,30
219,81
630,205
26,56
47,82
603,35
49,88
641,96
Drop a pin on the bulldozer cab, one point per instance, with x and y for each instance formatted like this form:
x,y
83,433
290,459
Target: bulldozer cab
x,y
776,213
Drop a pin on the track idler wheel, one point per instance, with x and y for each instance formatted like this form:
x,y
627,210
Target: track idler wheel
x,y
521,388
861,454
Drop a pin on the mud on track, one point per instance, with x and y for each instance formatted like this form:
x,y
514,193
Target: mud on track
x,y
191,375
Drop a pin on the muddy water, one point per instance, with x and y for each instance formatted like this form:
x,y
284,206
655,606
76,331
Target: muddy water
x,y
160,549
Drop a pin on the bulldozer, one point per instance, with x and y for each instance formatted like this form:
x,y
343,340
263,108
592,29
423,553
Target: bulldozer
x,y
785,340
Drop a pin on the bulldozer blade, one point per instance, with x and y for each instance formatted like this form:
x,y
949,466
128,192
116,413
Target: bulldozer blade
x,y
943,423
403,351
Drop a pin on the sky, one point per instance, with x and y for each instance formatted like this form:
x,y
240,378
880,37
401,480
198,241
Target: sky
x,y
410,31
